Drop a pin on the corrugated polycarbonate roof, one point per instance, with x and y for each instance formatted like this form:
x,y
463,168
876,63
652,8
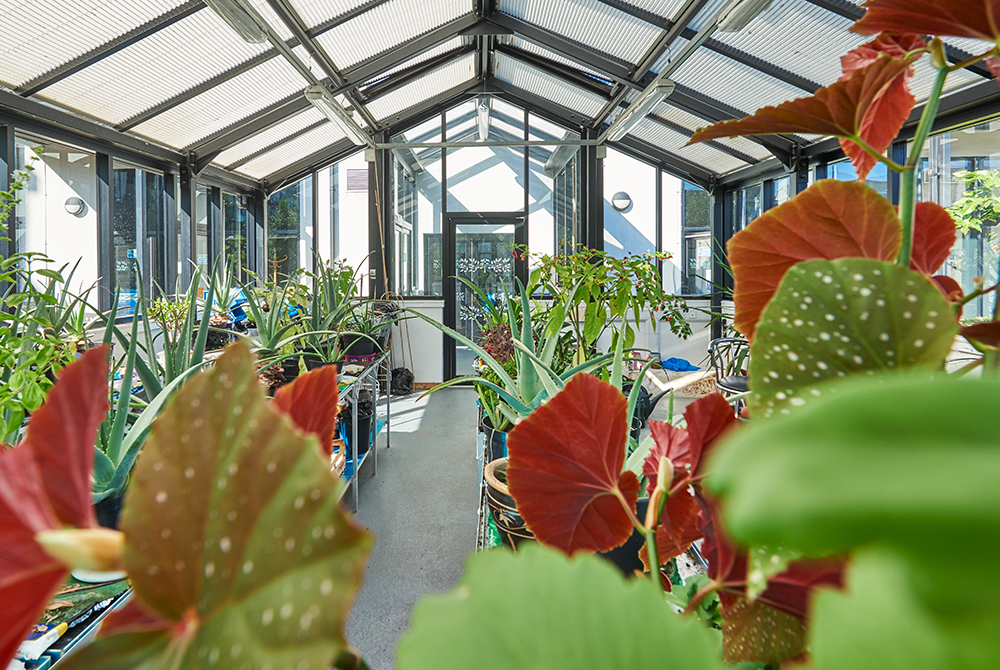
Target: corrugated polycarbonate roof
x,y
533,80
173,72
589,22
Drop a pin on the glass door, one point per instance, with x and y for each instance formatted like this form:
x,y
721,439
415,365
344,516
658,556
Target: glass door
x,y
482,252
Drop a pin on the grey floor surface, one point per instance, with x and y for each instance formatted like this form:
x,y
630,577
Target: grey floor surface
x,y
422,508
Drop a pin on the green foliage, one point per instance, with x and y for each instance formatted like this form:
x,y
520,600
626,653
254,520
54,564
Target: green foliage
x,y
543,610
980,203
606,289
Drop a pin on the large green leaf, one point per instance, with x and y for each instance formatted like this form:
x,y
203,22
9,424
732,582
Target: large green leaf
x,y
234,533
831,319
910,463
538,609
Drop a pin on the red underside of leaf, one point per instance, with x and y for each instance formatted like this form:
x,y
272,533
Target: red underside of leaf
x,y
28,575
62,434
311,403
933,237
977,19
984,333
869,104
893,44
565,468
671,442
831,219
880,124
949,287
993,63
707,419
132,618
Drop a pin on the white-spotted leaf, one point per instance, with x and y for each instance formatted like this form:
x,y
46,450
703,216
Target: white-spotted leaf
x,y
832,319
234,533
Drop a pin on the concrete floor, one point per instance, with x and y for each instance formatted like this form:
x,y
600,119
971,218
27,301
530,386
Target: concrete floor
x,y
422,508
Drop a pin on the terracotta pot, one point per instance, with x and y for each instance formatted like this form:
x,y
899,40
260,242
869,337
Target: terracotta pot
x,y
513,531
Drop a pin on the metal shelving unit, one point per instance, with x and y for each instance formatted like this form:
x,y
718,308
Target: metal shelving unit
x,y
368,379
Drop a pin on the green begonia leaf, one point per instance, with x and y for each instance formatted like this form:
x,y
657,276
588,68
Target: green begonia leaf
x,y
831,319
234,534
908,462
762,564
539,609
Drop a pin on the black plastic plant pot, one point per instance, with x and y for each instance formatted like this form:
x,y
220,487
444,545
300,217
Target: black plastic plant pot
x,y
107,512
626,557
496,441
357,345
511,527
364,434
290,369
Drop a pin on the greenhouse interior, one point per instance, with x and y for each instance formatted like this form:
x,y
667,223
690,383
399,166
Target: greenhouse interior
x,y
667,329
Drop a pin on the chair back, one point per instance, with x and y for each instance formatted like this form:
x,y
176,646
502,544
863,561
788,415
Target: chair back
x,y
730,356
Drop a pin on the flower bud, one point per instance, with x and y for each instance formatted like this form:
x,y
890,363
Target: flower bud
x,y
86,548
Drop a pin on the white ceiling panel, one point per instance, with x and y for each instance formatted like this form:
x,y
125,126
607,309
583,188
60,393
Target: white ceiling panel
x,y
270,136
443,48
134,79
693,123
589,22
389,25
436,81
315,12
532,48
290,152
672,141
224,105
552,88
39,35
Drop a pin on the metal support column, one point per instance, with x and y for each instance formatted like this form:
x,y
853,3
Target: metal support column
x,y
315,221
898,155
721,279
379,220
802,176
105,231
170,249
8,162
216,234
592,178
187,221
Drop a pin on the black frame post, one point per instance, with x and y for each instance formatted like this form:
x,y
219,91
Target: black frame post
x,y
8,163
105,230
379,234
720,278
187,222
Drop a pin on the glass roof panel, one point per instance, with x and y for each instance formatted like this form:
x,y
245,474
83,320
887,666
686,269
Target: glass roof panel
x,y
224,105
541,83
664,8
443,48
532,48
315,12
436,81
389,25
118,87
693,123
589,22
673,142
37,36
290,152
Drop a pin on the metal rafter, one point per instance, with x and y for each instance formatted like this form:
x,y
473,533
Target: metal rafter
x,y
555,69
639,13
307,165
746,158
294,22
108,48
391,83
284,140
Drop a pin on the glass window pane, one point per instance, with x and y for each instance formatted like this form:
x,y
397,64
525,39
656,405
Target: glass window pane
x,y
696,207
127,215
155,223
202,241
553,190
283,211
673,220
416,210
782,190
235,234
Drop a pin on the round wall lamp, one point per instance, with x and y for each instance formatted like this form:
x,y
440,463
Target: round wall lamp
x,y
75,206
621,201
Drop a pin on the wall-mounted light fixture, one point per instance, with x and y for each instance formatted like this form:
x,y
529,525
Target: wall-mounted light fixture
x,y
740,16
321,100
239,19
75,206
621,201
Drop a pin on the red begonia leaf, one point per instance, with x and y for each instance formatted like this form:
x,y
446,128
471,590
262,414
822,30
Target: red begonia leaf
x,y
993,63
63,432
311,403
707,418
985,333
894,44
951,289
831,219
565,468
671,442
132,618
976,19
28,575
933,236
678,527
754,631
871,104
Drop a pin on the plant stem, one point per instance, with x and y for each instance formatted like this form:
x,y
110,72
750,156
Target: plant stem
x,y
654,558
908,180
871,151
